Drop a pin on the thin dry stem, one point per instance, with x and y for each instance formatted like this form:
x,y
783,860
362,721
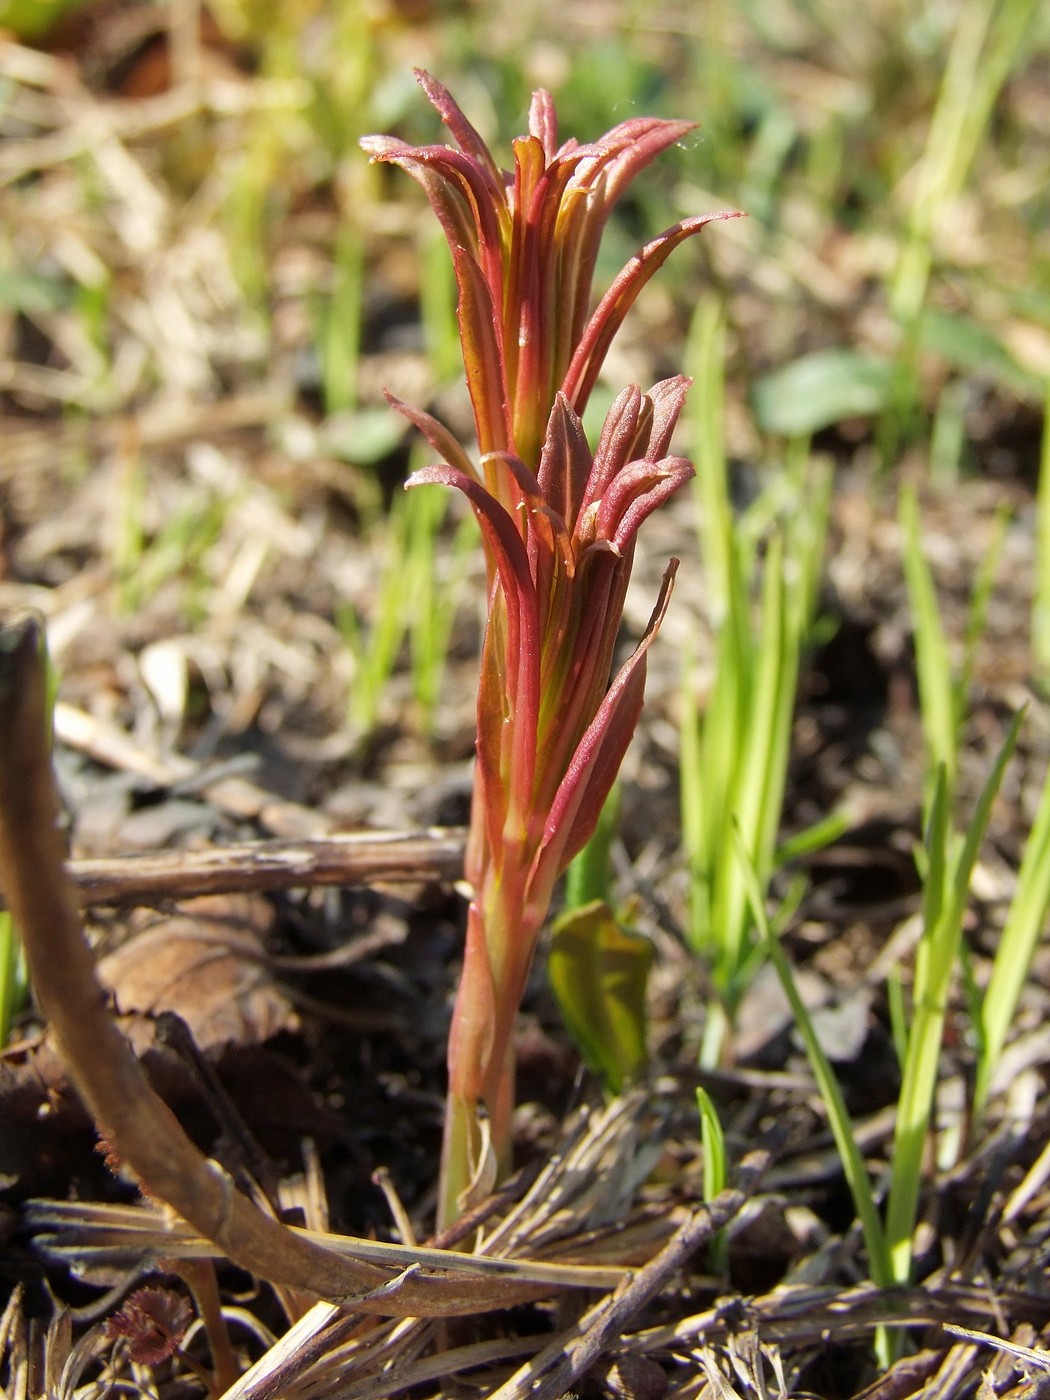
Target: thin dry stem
x,y
359,858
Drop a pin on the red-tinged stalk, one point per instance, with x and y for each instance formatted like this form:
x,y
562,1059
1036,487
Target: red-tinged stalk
x,y
558,524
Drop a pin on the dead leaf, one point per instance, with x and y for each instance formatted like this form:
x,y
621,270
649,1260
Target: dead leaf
x,y
206,962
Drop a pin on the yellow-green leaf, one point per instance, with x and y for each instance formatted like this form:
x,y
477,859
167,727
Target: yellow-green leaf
x,y
598,970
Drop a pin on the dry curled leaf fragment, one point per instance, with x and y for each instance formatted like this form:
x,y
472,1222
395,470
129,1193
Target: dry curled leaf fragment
x,y
206,962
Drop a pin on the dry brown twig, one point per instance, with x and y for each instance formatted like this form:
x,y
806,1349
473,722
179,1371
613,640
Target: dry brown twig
x,y
309,853
358,858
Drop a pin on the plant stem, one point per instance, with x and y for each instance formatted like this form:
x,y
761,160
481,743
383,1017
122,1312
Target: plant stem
x,y
497,957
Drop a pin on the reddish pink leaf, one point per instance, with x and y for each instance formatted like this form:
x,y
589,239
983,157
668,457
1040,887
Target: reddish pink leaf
x,y
481,335
439,437
565,462
450,112
635,494
668,399
596,762
618,300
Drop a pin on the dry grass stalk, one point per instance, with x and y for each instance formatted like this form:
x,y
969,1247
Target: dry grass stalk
x,y
588,1184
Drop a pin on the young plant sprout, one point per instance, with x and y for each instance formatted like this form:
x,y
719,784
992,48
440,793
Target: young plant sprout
x,y
558,523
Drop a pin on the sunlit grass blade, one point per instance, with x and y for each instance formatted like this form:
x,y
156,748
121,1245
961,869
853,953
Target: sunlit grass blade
x,y
437,306
716,1170
950,862
977,612
839,1119
407,607
1041,604
898,1014
706,359
813,838
12,975
988,39
762,571
432,611
374,647
340,321
1024,925
938,696
986,43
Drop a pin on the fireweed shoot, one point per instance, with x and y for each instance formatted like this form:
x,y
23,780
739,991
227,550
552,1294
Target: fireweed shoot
x,y
558,519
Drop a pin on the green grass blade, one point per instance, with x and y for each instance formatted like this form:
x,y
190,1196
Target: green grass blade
x,y
340,332
898,1014
839,1120
936,851
762,757
1017,944
716,1171
986,43
975,832
437,305
12,976
1041,604
813,838
937,695
587,878
949,871
706,359
430,606
988,39
977,612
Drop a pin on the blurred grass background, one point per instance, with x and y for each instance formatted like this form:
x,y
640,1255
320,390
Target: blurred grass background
x,y
894,165
192,245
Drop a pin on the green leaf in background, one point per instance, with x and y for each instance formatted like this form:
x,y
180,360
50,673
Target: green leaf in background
x,y
362,436
31,19
589,877
967,345
598,970
32,293
817,390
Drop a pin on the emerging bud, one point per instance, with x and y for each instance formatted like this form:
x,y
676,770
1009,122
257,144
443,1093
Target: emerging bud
x,y
558,524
